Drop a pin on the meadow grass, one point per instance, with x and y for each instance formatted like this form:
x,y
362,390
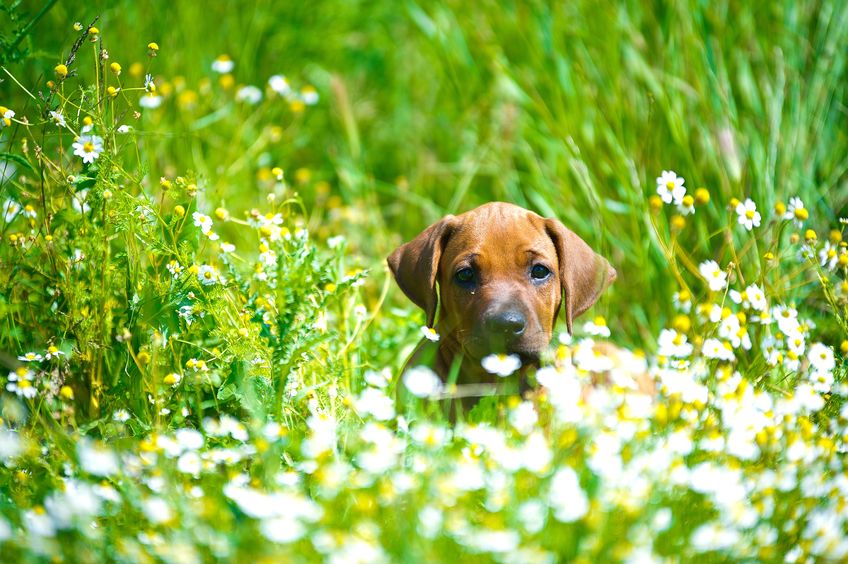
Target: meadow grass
x,y
202,338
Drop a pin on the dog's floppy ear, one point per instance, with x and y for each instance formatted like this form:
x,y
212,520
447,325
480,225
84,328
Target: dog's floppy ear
x,y
416,264
583,273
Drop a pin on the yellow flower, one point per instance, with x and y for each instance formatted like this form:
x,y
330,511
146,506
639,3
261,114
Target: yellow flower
x,y
677,222
112,91
93,32
810,235
77,26
734,202
682,323
61,71
66,392
835,236
152,49
702,196
115,68
780,208
179,211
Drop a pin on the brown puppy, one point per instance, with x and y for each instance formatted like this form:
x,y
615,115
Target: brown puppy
x,y
503,274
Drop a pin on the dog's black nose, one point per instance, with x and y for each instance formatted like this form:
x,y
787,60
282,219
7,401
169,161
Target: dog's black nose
x,y
508,323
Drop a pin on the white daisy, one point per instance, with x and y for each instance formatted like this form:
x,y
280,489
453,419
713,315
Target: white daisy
x,y
748,214
58,119
796,211
715,276
223,64
249,94
88,147
429,333
31,357
422,382
670,187
279,84
209,275
501,364
821,358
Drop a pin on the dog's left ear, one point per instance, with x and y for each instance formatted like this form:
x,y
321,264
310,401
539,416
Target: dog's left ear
x,y
416,265
583,273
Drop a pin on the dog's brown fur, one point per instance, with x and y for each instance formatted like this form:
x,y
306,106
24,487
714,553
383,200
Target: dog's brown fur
x,y
500,243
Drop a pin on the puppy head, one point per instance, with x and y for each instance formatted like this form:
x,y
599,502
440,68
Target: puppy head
x,y
503,273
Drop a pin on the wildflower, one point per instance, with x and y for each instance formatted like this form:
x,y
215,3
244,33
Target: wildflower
x,y
61,71
249,94
209,275
829,256
152,49
97,459
749,217
670,187
715,276
429,333
88,147
124,129
422,382
279,84
566,498
309,95
524,417
53,352
223,64
157,510
702,196
501,364
20,383
203,221
751,297
150,101
821,357
597,327
376,403
10,210
686,205
115,68
655,202
796,212
673,344
787,318
121,416
716,349
93,33
58,119
31,357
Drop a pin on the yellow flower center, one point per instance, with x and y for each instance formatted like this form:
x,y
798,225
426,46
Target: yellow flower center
x,y
88,147
801,213
670,184
749,214
207,274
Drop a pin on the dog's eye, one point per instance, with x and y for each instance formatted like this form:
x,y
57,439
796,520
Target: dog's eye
x,y
539,272
465,275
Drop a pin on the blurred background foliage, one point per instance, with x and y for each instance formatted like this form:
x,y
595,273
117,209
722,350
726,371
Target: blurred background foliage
x,y
427,108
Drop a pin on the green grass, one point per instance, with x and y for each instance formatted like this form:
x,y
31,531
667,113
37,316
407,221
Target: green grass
x,y
423,109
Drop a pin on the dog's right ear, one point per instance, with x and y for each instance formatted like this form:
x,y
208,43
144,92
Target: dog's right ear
x,y
416,264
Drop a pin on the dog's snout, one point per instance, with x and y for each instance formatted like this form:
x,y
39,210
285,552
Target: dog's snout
x,y
508,323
